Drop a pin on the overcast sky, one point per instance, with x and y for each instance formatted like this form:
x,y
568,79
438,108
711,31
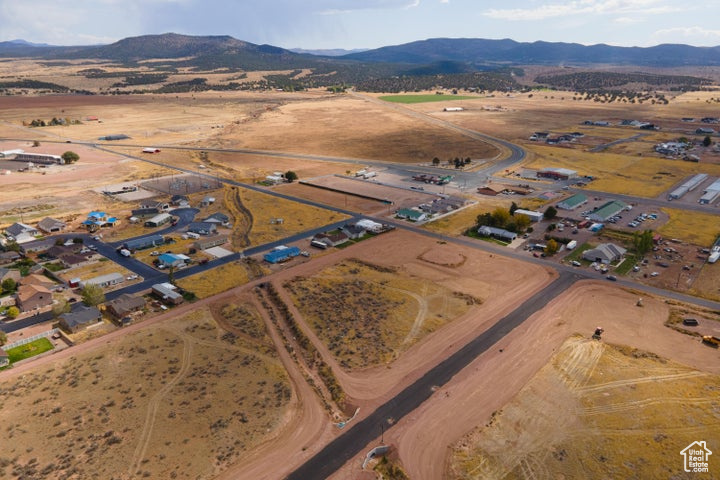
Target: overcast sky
x,y
314,24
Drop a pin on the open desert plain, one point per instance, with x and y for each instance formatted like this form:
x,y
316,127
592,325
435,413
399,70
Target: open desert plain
x,y
294,268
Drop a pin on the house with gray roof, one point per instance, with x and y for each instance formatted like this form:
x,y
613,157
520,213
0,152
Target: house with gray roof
x,y
605,253
51,225
80,318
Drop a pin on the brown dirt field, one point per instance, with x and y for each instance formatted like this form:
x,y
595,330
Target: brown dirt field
x,y
333,199
497,281
161,391
492,380
584,412
397,196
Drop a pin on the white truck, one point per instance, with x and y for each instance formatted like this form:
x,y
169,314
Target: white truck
x,y
125,252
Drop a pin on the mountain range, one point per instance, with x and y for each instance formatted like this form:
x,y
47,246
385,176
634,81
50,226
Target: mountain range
x,y
459,54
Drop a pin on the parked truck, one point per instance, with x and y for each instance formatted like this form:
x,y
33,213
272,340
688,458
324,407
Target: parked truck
x,y
711,340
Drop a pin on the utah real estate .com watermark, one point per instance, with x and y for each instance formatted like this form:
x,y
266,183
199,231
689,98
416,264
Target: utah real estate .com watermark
x,y
697,457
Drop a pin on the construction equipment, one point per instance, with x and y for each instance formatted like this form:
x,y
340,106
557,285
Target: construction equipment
x,y
711,340
598,333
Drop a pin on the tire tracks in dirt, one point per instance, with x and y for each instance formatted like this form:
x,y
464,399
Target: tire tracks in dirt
x,y
154,404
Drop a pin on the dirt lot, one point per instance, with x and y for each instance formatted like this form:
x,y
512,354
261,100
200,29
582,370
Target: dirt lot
x,y
490,382
179,399
583,414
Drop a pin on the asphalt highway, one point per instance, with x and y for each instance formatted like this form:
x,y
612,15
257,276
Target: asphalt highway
x,y
343,448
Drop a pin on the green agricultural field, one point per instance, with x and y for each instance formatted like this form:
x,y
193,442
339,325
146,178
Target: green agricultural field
x,y
28,350
424,98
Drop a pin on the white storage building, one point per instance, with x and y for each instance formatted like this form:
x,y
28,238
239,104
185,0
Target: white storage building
x,y
534,216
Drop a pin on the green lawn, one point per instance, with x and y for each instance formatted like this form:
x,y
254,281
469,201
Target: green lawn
x,y
627,264
576,254
28,350
424,98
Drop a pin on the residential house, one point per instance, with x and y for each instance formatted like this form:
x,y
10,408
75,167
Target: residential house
x,y
332,239
218,217
281,254
604,253
6,274
33,297
209,242
124,305
37,246
144,242
80,318
7,258
173,260
158,220
99,220
39,280
409,214
500,233
71,260
17,229
202,228
353,231
180,200
21,233
51,225
145,212
104,281
167,292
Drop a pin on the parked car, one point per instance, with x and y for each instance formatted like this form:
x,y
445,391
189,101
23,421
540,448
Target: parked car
x,y
575,263
690,322
654,274
612,278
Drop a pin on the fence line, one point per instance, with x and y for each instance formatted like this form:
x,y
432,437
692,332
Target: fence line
x,y
27,340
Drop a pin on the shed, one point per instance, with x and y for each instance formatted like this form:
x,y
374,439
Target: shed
x,y
605,253
534,216
158,220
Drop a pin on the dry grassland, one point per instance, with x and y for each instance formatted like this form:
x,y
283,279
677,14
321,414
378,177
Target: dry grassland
x,y
694,227
614,173
595,411
180,399
94,269
368,315
458,222
217,280
264,208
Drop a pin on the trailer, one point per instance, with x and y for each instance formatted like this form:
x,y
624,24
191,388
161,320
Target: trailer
x,y
369,175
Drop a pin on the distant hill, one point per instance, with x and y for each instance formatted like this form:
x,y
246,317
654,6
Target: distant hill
x,y
476,51
330,52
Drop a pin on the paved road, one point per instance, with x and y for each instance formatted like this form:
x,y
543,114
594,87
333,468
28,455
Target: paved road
x,y
342,449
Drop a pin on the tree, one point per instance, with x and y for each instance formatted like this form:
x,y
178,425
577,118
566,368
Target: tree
x,y
436,161
551,247
521,222
643,242
513,207
707,141
550,213
8,285
13,312
92,295
62,306
291,176
500,217
70,157
3,338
